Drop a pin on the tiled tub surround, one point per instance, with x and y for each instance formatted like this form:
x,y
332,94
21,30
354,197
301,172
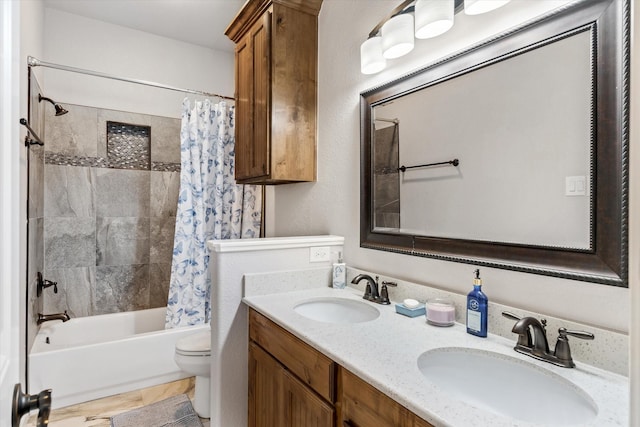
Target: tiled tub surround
x,y
399,341
110,202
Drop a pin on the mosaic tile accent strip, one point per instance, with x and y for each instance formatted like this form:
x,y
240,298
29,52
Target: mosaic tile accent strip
x,y
165,167
62,159
128,146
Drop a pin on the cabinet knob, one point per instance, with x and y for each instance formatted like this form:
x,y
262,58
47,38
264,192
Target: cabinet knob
x,y
347,423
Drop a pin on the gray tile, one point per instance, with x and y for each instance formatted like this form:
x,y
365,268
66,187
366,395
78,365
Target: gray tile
x,y
69,242
74,133
122,241
121,288
165,139
36,182
161,237
164,193
105,116
69,191
159,276
35,264
75,288
122,193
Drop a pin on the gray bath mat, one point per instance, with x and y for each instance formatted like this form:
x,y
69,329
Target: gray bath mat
x,y
175,411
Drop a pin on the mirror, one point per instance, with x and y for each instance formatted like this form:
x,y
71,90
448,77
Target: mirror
x,y
510,154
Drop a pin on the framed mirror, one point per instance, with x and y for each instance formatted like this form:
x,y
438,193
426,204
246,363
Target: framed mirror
x,y
511,154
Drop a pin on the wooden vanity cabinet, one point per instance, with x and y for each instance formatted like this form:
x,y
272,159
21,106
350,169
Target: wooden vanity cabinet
x,y
276,90
290,383
362,405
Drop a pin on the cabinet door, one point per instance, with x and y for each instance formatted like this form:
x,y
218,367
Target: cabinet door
x,y
253,109
303,408
365,406
266,389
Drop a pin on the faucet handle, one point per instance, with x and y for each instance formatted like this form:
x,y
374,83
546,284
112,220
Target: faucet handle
x,y
563,332
384,292
562,350
511,316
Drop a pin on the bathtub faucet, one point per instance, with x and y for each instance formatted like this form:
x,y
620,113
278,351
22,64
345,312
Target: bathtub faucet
x,y
57,316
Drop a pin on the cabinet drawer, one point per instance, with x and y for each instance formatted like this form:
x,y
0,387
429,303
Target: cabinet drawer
x,y
362,405
310,366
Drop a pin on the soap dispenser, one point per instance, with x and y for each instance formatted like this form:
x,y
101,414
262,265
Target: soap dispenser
x,y
477,308
339,275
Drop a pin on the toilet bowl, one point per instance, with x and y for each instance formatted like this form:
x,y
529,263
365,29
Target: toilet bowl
x,y
193,355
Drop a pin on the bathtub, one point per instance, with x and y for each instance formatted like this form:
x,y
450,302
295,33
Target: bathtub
x,y
92,357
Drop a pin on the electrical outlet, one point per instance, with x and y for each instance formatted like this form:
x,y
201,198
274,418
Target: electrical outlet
x,y
319,254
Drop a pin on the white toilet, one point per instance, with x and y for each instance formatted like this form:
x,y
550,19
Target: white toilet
x,y
193,355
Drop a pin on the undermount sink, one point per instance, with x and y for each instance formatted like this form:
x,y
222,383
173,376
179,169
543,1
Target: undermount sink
x,y
337,310
507,386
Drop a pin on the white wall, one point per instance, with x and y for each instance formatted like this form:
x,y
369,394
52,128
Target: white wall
x,y
80,42
331,205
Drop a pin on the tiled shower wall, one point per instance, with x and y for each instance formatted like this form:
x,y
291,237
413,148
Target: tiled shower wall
x,y
110,201
35,210
386,187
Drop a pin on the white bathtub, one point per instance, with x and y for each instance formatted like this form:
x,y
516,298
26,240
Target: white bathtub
x,y
93,357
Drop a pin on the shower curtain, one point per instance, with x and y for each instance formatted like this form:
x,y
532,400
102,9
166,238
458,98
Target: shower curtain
x,y
210,207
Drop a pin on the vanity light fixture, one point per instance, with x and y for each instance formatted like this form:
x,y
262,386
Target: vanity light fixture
x,y
371,59
433,17
393,37
397,36
476,7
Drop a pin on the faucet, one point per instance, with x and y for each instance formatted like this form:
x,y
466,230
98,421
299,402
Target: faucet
x,y
537,346
57,316
371,291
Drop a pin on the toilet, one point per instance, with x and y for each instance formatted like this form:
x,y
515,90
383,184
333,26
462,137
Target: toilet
x,y
193,355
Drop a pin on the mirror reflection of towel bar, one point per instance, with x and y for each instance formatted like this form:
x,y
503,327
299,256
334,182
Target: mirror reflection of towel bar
x,y
454,162
28,141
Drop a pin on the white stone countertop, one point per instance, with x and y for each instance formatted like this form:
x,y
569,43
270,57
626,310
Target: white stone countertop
x,y
384,353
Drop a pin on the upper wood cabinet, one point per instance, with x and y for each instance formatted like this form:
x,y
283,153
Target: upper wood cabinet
x,y
276,90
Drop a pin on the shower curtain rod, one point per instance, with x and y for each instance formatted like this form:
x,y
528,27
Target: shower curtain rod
x,y
35,62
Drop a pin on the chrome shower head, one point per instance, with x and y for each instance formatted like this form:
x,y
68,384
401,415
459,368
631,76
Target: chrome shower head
x,y
59,109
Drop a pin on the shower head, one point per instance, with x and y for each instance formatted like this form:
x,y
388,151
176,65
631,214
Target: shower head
x,y
59,109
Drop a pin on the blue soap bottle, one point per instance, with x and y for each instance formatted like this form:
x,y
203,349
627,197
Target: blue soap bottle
x,y
477,308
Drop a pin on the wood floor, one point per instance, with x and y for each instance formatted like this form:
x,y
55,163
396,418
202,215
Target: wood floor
x,y
97,413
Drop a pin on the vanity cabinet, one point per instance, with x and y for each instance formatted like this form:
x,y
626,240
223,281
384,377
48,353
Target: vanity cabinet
x,y
276,90
362,405
290,383
293,384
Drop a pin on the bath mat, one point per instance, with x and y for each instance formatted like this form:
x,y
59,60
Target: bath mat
x,y
175,411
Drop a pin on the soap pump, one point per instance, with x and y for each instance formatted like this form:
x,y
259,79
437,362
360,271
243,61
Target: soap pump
x,y
477,308
339,274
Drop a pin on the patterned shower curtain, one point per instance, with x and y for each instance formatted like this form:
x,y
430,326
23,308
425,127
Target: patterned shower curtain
x,y
210,207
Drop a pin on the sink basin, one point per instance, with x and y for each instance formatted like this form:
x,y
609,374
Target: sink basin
x,y
337,310
507,386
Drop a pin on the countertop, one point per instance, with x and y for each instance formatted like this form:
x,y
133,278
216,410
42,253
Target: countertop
x,y
384,353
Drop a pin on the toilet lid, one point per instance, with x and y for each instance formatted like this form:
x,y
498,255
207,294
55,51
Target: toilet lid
x,y
199,343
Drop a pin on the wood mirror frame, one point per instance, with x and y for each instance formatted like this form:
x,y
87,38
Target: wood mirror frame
x,y
606,262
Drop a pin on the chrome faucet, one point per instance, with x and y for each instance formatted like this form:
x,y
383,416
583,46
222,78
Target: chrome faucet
x,y
537,346
371,291
57,316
